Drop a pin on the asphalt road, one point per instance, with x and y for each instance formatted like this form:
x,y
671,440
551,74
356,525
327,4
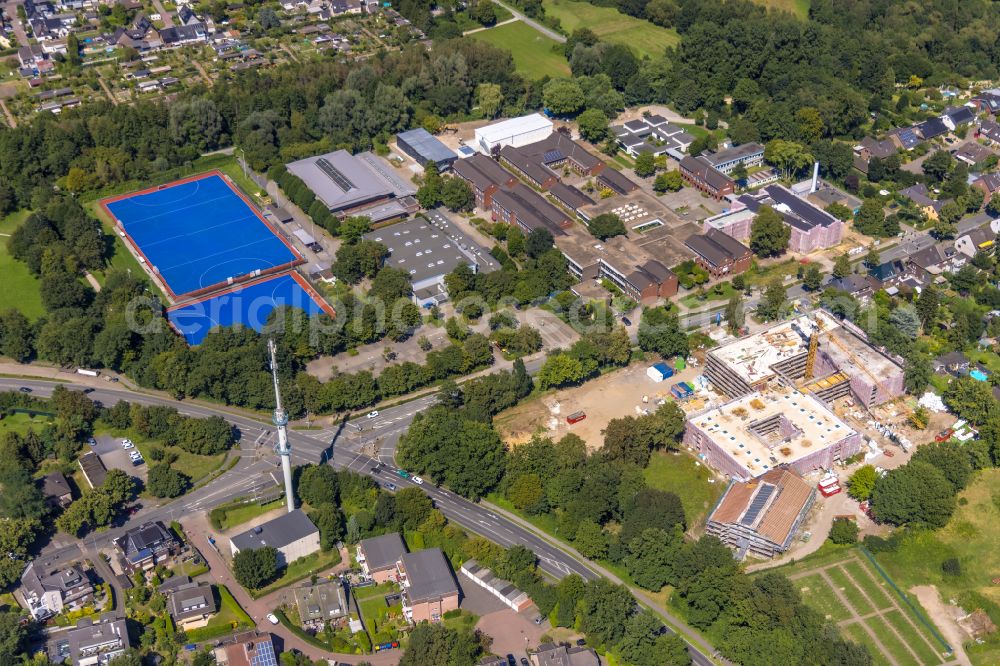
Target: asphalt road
x,y
341,449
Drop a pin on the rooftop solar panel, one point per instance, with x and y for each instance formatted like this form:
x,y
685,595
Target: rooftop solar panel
x,y
553,156
759,500
334,174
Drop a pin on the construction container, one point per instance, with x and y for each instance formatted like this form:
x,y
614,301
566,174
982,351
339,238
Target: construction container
x,y
659,372
576,417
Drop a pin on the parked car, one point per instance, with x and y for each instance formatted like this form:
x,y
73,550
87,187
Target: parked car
x,y
391,487
24,389
373,414
417,480
403,473
539,619
376,469
626,321
88,390
91,441
127,445
511,661
525,662
272,618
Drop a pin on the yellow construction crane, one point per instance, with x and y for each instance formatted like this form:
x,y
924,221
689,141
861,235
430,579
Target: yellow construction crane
x,y
813,345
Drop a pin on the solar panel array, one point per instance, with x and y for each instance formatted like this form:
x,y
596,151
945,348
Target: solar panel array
x,y
263,654
334,174
759,500
553,156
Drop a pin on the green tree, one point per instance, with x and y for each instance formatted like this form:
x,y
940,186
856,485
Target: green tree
x,y
606,225
538,242
937,165
870,219
527,494
645,164
735,314
13,633
917,493
484,12
563,97
660,332
927,307
590,540
330,522
560,369
906,320
439,644
165,481
490,98
456,194
813,278
774,300
593,124
769,234
318,484
862,482
646,644
255,568
842,267
844,531
668,181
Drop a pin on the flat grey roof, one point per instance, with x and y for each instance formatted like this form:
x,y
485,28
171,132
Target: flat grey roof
x,y
342,181
279,532
419,249
426,145
384,551
429,575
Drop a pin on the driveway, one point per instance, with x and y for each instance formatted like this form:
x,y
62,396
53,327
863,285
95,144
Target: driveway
x,y
513,633
551,34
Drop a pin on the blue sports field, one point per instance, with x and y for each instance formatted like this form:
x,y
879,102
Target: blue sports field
x,y
248,306
199,233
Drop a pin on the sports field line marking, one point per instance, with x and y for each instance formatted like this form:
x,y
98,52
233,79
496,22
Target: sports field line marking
x,y
170,188
216,254
177,209
201,230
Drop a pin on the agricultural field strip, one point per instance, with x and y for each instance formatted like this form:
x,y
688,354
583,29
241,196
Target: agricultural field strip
x,y
856,616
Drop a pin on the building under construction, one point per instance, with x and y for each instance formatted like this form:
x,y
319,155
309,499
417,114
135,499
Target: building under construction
x,y
774,427
813,353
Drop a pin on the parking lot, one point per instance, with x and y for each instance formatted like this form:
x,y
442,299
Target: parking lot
x,y
115,457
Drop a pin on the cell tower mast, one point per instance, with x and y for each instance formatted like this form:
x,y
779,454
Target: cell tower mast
x,y
282,448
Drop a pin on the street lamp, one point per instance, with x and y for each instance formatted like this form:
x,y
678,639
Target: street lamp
x,y
235,148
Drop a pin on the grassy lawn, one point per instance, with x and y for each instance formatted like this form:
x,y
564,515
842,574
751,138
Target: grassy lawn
x,y
760,275
798,7
195,466
875,588
22,423
850,590
913,638
612,26
857,633
299,569
896,649
374,611
682,475
971,537
231,516
20,287
726,292
533,52
816,593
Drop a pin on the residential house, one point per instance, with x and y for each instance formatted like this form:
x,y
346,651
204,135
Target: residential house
x,y
932,128
920,196
429,586
888,273
31,56
56,490
377,556
989,183
860,287
549,654
931,262
953,363
292,534
974,154
191,605
762,515
145,546
247,649
989,131
322,604
48,587
98,643
956,116
987,101
719,254
700,173
905,138
980,238
870,147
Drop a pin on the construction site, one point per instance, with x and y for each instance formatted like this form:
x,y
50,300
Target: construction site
x,y
790,391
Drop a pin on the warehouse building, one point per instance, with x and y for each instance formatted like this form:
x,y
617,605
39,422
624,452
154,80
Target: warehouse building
x,y
763,515
424,147
514,132
292,534
351,184
719,254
